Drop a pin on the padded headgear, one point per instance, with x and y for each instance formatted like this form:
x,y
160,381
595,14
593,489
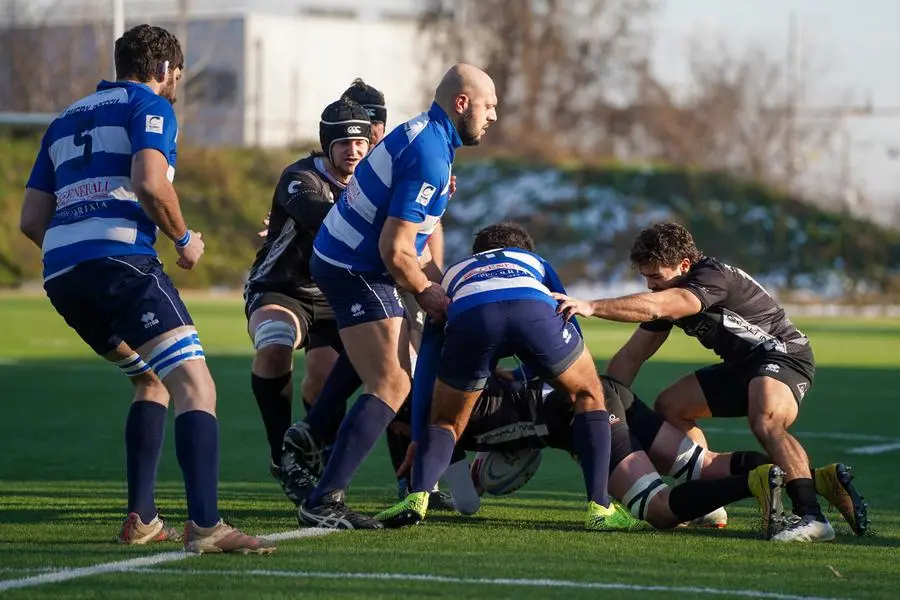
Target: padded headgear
x,y
343,120
369,98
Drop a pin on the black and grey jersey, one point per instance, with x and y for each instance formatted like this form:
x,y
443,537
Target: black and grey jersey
x,y
738,317
304,195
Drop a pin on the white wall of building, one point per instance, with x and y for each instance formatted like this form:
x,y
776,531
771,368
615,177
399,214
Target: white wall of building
x,y
296,65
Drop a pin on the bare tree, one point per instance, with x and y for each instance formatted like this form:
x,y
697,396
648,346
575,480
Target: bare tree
x,y
561,67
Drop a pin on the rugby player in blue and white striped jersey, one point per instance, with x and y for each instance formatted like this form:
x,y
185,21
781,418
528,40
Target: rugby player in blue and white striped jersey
x,y
100,188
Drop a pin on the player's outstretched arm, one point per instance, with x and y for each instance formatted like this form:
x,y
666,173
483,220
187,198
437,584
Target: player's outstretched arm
x,y
625,364
157,196
674,303
37,210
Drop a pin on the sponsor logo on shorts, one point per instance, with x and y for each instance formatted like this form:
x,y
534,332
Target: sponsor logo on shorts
x,y
772,368
154,124
613,419
357,310
149,320
802,388
425,193
567,335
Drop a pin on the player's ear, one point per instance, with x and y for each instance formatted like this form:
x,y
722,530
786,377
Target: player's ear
x,y
461,104
685,265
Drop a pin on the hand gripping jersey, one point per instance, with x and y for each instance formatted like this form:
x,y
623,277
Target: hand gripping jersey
x,y
407,176
85,161
738,316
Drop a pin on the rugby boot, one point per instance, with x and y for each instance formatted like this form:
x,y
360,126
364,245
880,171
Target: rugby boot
x,y
835,483
766,483
409,511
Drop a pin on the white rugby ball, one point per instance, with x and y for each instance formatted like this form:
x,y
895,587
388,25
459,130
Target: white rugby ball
x,y
500,473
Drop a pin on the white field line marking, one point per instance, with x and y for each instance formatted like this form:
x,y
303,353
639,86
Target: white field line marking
x,y
828,435
538,583
876,449
137,563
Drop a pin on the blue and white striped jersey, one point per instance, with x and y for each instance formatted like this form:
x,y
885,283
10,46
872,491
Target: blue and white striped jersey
x,y
497,275
85,160
407,176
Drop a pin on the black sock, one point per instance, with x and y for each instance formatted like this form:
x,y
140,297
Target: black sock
x,y
696,498
274,396
802,493
746,460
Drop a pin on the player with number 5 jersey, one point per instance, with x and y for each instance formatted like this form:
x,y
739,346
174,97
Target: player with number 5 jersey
x,y
100,187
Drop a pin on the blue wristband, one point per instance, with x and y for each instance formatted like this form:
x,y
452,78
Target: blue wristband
x,y
185,239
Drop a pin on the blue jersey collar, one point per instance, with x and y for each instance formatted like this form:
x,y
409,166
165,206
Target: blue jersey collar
x,y
437,115
107,85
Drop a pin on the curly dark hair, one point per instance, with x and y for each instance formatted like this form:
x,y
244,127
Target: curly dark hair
x,y
142,49
502,235
664,244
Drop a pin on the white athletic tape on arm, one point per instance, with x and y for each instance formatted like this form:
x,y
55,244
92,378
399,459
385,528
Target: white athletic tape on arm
x,y
274,333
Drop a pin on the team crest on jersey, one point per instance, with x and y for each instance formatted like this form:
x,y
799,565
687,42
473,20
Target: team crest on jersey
x,y
154,124
426,192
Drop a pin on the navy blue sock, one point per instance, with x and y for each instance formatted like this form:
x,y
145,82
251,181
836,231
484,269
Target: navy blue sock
x,y
144,434
591,442
358,434
197,449
326,414
432,458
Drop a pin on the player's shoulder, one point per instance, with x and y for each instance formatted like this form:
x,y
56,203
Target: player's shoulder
x,y
142,100
303,174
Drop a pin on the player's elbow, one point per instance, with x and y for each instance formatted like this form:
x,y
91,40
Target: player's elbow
x,y
149,189
32,227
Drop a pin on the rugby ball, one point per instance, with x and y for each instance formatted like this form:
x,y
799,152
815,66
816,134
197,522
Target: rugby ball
x,y
500,473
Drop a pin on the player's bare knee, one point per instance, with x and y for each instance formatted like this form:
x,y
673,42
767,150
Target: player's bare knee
x,y
149,388
768,427
273,361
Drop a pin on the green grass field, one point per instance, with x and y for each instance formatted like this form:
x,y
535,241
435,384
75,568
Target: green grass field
x,y
62,491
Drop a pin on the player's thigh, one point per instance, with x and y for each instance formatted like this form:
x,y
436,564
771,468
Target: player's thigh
x,y
778,384
719,390
375,350
149,315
